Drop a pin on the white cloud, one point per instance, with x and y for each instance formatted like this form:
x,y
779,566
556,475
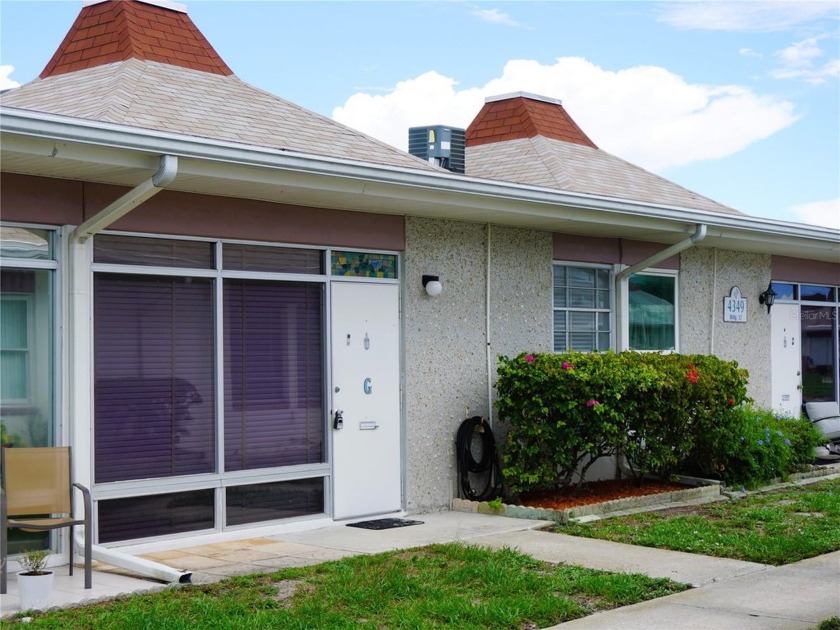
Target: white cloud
x,y
646,115
5,82
798,62
824,213
749,52
829,70
755,15
801,53
496,17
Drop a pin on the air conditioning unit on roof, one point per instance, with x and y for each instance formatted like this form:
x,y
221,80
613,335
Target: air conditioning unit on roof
x,y
439,145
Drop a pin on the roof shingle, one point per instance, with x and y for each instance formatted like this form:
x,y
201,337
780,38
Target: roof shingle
x,y
140,64
131,29
163,97
573,167
524,116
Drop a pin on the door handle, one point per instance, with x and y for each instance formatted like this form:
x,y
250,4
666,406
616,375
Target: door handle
x,y
338,419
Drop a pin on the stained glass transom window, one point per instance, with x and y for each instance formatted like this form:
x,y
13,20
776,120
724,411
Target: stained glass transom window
x,y
364,265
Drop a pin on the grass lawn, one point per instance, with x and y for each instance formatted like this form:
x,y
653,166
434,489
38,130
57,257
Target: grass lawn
x,y
440,586
777,528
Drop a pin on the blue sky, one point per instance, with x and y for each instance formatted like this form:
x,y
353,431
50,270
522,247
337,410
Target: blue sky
x,y
739,101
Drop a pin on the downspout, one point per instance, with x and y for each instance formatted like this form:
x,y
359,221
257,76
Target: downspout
x,y
699,235
79,292
621,276
141,566
487,335
130,200
713,306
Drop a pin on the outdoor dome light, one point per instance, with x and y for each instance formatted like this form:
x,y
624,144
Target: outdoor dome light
x,y
768,297
432,285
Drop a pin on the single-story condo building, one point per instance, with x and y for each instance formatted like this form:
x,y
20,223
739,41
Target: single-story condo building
x,y
243,315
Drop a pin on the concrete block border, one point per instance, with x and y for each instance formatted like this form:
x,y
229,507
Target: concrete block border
x,y
704,490
709,491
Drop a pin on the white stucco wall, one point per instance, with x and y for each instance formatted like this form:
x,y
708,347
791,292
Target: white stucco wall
x,y
706,277
445,337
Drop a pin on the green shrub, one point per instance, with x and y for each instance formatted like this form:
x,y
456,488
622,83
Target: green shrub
x,y
564,411
559,413
753,446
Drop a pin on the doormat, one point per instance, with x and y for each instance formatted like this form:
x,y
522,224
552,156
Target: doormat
x,y
384,523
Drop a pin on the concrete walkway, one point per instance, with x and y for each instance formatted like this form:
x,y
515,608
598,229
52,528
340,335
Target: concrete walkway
x,y
729,593
794,596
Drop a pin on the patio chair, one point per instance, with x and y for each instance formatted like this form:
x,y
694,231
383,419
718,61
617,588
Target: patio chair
x,y
826,417
36,494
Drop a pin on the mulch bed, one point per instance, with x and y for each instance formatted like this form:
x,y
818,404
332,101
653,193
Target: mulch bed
x,y
597,492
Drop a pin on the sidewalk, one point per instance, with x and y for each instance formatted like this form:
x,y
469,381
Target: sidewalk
x,y
794,596
729,593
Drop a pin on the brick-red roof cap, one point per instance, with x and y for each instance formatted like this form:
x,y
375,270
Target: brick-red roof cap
x,y
118,30
524,116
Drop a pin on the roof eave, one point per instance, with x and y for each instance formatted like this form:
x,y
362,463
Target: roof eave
x,y
485,199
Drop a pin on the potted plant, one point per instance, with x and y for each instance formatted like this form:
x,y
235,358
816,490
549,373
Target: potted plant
x,y
34,580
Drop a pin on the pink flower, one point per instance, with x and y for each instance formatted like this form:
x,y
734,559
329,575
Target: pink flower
x,y
592,403
530,358
567,366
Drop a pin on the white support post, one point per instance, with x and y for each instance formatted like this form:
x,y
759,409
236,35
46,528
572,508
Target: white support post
x,y
80,363
622,322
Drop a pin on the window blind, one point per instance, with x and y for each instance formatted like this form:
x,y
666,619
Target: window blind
x,y
273,374
154,376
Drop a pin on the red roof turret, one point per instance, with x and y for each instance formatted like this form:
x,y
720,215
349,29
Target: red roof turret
x,y
150,30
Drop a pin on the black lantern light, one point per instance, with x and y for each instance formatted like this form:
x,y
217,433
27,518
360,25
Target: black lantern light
x,y
768,297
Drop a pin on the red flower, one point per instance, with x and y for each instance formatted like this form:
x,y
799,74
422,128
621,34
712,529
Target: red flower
x,y
692,374
731,401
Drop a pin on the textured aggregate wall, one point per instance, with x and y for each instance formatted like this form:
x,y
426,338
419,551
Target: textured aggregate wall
x,y
521,286
521,289
444,337
706,277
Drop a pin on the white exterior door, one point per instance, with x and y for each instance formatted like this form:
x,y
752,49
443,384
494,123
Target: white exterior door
x,y
366,391
786,358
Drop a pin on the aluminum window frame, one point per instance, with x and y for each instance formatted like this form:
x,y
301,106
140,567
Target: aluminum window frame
x,y
221,479
668,273
567,309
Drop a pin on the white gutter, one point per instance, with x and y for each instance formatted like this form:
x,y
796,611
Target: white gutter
x,y
130,200
141,566
699,235
66,129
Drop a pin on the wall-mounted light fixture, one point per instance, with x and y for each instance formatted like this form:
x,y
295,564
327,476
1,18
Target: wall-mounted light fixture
x,y
432,285
768,297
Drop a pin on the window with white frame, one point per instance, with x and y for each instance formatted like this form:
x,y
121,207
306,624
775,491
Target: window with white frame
x,y
27,320
28,365
582,308
15,348
652,311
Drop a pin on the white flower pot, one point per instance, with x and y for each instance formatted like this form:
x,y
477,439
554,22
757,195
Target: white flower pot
x,y
35,590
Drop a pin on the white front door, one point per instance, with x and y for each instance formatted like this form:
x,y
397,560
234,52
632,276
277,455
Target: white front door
x,y
786,359
366,392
